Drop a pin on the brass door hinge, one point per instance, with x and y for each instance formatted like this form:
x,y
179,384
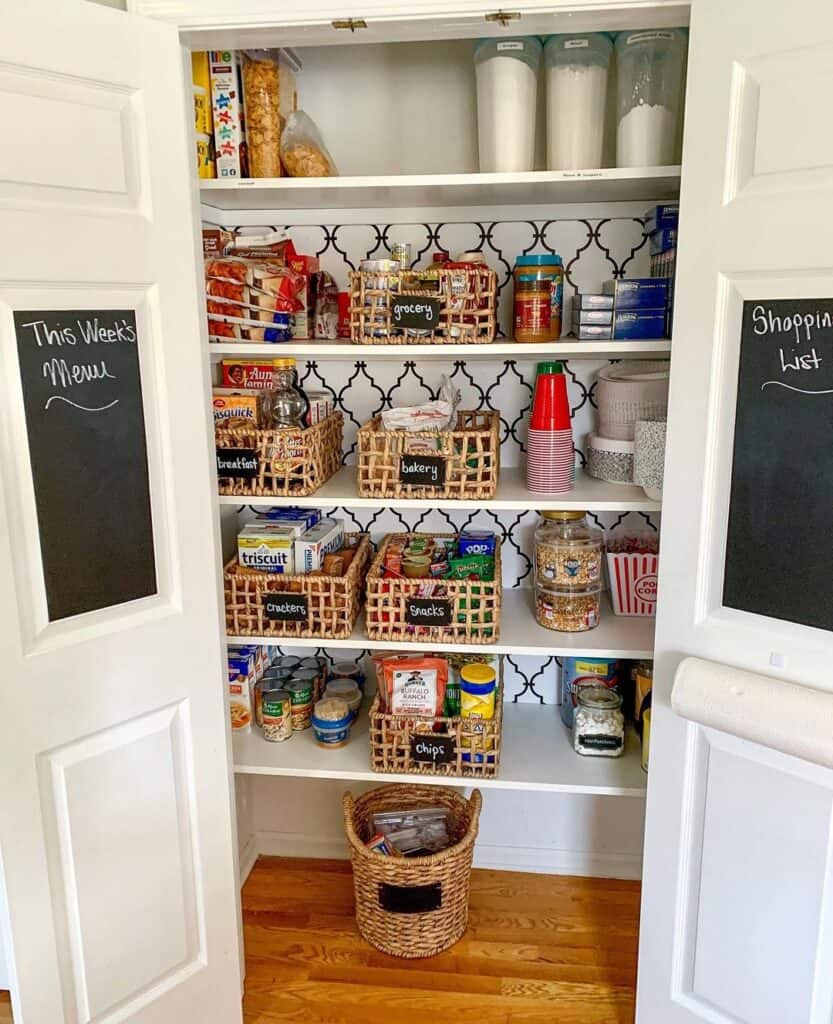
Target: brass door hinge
x,y
351,23
504,17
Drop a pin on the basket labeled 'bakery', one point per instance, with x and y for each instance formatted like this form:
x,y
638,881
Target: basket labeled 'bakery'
x,y
289,461
465,747
412,906
397,607
275,605
447,306
459,463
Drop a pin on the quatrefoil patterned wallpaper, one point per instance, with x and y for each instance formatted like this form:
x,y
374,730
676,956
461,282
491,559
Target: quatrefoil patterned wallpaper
x,y
592,250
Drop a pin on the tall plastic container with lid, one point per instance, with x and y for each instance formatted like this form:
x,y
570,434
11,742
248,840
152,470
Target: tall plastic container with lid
x,y
507,93
576,86
649,94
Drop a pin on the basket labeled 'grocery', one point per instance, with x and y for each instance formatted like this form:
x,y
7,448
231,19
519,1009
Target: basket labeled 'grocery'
x,y
459,463
446,306
412,906
283,606
288,461
431,610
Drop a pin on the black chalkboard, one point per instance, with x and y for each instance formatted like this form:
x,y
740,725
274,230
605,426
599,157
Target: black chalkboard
x,y
410,899
430,749
415,311
427,611
82,394
426,470
237,462
286,607
781,508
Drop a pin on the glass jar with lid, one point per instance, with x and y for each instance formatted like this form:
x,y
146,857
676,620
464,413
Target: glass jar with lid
x,y
538,280
288,405
598,725
568,552
576,88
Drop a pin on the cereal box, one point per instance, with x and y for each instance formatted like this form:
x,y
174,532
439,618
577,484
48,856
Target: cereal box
x,y
227,112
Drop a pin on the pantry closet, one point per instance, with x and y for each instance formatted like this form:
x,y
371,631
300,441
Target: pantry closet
x,y
393,89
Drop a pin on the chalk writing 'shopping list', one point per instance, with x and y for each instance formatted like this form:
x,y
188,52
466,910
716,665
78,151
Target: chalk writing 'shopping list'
x,y
799,352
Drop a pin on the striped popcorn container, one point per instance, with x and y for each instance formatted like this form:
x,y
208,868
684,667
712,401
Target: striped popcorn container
x,y
633,583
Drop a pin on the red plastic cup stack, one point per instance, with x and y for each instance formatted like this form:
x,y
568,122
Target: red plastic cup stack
x,y
550,456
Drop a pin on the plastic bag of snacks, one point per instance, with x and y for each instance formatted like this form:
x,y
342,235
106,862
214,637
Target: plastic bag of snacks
x,y
632,561
303,151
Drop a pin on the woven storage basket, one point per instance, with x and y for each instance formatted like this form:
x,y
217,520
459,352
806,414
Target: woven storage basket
x,y
475,605
333,602
410,884
290,461
470,453
467,295
390,743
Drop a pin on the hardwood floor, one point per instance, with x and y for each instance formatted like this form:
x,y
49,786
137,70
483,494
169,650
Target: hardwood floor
x,y
539,949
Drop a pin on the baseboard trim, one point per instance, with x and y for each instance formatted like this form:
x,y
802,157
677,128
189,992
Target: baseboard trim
x,y
498,858
248,857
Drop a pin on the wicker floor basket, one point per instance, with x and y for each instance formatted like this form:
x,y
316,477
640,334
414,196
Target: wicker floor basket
x,y
466,298
288,462
476,744
468,466
474,605
331,603
412,906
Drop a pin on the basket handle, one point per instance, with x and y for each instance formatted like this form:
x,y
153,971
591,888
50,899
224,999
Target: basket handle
x,y
476,802
348,805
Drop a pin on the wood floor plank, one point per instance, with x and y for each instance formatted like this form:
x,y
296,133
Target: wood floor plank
x,y
538,949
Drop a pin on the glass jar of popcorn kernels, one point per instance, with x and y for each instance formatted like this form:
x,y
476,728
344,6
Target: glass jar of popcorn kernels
x,y
568,552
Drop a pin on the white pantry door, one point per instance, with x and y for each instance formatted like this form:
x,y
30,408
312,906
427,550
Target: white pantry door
x,y
737,914
116,842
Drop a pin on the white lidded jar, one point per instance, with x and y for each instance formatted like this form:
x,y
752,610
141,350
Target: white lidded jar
x,y
507,92
576,86
649,92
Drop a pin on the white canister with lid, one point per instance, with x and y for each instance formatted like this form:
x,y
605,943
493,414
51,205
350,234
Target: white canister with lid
x,y
631,391
576,87
507,93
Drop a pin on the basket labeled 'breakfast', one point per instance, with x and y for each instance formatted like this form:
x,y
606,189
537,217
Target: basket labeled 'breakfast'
x,y
295,575
432,450
435,587
448,303
437,715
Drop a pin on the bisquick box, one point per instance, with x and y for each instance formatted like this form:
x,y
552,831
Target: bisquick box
x,y
589,301
637,293
593,316
643,324
667,215
266,548
326,536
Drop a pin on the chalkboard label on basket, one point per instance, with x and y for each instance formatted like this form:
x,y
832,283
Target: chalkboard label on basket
x,y
427,611
426,470
410,899
416,312
430,749
238,462
85,426
286,607
780,512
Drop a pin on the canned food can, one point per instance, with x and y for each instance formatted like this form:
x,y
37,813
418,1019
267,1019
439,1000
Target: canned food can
x,y
277,715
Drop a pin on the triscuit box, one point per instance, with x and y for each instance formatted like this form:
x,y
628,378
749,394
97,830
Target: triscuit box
x,y
310,549
266,548
227,112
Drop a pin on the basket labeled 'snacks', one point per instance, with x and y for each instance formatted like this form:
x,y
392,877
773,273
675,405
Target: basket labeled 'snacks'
x,y
431,610
288,461
459,463
454,304
283,606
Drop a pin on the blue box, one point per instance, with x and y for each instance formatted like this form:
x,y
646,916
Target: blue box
x,y
644,324
637,293
593,302
666,215
663,240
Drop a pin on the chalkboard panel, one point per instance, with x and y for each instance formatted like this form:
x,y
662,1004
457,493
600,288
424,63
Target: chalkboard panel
x,y
286,607
427,611
781,509
82,395
426,470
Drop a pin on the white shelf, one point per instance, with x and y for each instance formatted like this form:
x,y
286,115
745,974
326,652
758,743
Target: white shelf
x,y
587,494
566,348
646,184
616,636
535,755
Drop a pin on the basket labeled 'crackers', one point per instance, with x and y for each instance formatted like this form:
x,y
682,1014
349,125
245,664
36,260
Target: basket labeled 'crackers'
x,y
310,605
289,461
463,462
454,304
457,600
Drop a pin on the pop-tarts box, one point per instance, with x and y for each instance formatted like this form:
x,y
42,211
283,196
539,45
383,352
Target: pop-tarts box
x,y
637,293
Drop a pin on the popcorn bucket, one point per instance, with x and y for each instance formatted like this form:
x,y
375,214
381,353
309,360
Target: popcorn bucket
x,y
633,583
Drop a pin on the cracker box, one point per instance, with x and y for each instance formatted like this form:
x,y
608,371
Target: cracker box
x,y
266,548
308,516
326,536
227,112
237,404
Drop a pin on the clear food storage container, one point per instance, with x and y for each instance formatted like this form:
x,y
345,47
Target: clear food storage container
x,y
576,86
507,91
649,86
